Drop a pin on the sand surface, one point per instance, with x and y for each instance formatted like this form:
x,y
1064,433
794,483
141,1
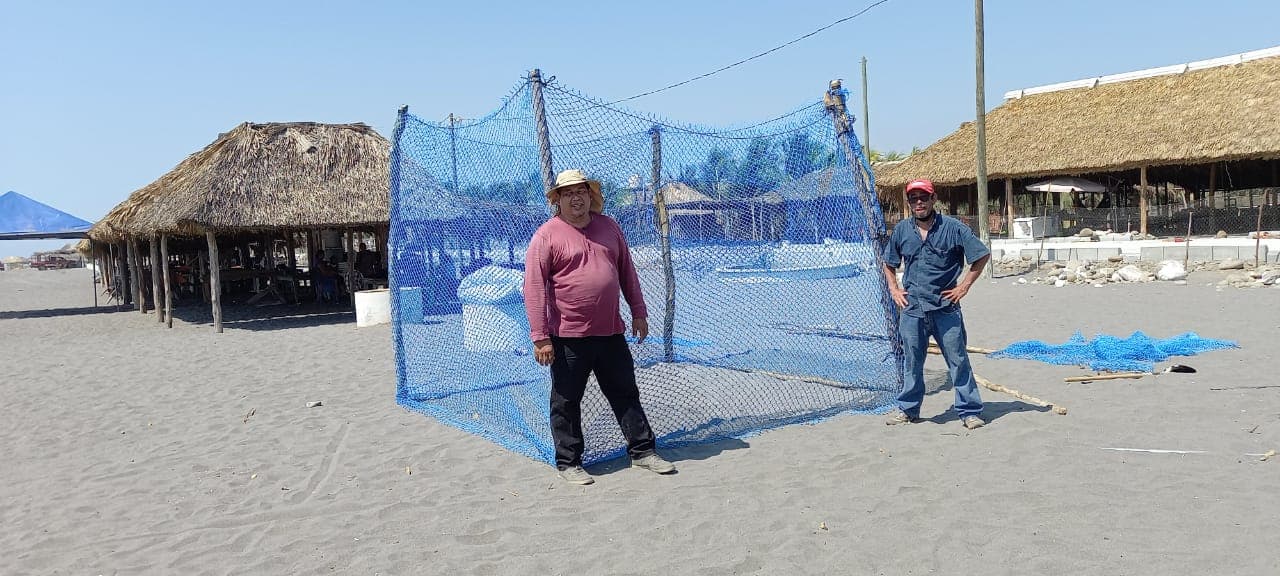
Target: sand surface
x,y
132,449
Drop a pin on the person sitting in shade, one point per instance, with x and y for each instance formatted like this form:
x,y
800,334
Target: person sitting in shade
x,y
576,265
326,279
367,262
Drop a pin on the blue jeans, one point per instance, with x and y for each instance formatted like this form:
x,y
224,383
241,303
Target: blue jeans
x,y
947,328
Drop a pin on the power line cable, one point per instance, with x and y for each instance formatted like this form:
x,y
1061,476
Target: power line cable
x,y
745,60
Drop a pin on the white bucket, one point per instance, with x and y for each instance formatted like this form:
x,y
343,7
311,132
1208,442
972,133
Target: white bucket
x,y
373,307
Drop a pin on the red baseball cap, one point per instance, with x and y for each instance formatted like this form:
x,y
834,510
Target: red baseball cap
x,y
921,185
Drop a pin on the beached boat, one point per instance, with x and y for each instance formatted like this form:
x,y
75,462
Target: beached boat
x,y
789,262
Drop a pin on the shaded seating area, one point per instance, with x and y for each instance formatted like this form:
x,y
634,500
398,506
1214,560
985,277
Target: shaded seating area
x,y
1194,145
248,220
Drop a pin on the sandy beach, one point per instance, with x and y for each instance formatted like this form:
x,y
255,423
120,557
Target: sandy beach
x,y
132,449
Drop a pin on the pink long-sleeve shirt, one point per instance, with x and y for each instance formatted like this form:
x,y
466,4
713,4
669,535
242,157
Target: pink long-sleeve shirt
x,y
572,278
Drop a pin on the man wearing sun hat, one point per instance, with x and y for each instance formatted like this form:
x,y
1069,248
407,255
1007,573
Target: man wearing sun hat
x,y
932,250
577,264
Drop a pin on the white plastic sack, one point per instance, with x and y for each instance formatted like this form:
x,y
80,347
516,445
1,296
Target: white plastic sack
x,y
1171,270
492,285
1129,273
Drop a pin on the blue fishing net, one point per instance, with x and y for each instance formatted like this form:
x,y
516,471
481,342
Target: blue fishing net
x,y
778,310
1137,352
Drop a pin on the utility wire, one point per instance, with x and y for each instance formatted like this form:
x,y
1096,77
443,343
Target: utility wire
x,y
745,60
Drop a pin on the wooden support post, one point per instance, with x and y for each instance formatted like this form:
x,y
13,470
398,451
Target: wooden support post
x,y
121,279
1269,193
980,128
135,274
168,286
291,239
157,268
351,267
93,273
1142,201
203,258
664,241
1213,185
1257,241
1008,205
215,281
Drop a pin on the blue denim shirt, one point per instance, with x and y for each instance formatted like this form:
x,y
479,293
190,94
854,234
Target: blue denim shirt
x,y
934,264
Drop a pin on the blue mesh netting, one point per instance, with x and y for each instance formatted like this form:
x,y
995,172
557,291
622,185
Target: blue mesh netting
x,y
1137,352
780,313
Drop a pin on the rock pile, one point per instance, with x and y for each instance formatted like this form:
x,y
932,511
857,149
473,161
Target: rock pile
x,y
1115,270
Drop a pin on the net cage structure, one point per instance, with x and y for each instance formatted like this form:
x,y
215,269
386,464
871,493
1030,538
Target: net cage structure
x,y
757,250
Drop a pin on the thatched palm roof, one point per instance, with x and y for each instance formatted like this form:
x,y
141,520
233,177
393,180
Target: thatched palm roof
x,y
264,177
1221,113
676,193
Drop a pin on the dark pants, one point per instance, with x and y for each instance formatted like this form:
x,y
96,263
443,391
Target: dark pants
x,y
610,359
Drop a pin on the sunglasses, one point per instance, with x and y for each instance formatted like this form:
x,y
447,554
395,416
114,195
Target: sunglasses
x,y
919,198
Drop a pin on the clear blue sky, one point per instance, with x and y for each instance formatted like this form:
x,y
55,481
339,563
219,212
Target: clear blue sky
x,y
101,98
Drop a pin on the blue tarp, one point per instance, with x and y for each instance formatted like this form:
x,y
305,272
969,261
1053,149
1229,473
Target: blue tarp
x,y
24,218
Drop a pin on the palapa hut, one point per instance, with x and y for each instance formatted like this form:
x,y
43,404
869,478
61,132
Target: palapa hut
x,y
1188,124
257,182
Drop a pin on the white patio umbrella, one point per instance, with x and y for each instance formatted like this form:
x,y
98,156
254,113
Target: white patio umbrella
x,y
1067,184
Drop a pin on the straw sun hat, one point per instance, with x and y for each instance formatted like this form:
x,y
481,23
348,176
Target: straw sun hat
x,y
575,176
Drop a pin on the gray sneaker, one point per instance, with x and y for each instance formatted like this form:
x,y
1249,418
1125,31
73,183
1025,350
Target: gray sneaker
x,y
972,422
900,417
653,463
576,475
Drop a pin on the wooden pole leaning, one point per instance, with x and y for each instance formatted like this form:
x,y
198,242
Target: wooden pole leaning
x,y
168,291
989,385
544,133
215,280
664,240
156,270
833,101
1112,376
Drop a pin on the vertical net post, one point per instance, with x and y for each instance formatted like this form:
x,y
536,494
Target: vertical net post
x,y
393,266
544,135
664,240
453,151
835,104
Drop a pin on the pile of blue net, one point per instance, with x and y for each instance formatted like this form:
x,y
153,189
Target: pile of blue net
x,y
1137,352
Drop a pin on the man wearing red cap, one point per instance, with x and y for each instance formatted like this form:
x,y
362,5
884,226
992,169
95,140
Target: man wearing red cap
x,y
576,266
932,249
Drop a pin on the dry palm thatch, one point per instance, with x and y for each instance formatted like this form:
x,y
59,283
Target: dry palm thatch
x,y
115,225
677,193
1221,113
267,177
